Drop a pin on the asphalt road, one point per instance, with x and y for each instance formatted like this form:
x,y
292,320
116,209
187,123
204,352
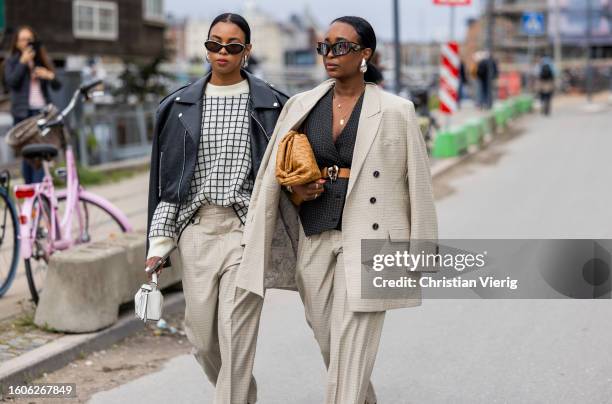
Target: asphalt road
x,y
552,180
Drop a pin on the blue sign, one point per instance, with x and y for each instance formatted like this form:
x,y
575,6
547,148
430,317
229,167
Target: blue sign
x,y
533,24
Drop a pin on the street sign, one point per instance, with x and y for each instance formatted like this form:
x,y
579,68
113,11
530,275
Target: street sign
x,y
452,2
533,24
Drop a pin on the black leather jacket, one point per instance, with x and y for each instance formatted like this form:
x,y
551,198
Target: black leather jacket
x,y
177,136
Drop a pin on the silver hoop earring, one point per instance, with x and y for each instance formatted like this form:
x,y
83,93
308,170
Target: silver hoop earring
x,y
246,62
207,59
364,66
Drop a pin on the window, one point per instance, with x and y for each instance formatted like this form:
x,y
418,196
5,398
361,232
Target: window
x,y
95,19
153,10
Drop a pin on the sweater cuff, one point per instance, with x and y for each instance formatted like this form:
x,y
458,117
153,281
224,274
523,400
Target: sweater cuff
x,y
159,246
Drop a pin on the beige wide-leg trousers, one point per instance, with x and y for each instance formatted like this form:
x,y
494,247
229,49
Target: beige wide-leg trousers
x,y
348,340
216,312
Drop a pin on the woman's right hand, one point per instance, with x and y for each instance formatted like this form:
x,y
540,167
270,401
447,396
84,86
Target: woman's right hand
x,y
27,55
310,191
150,263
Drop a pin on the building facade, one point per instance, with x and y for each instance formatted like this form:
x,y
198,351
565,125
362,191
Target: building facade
x,y
125,29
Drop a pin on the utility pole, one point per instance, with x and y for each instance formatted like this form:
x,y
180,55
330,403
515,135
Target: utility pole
x,y
589,67
397,47
557,44
489,45
452,23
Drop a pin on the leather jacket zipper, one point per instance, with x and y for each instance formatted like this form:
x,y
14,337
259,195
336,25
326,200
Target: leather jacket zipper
x,y
260,125
161,156
183,169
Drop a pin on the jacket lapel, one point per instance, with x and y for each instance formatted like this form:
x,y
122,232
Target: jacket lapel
x,y
369,121
305,104
190,113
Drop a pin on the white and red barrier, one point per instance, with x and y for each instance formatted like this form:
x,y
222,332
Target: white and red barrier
x,y
449,78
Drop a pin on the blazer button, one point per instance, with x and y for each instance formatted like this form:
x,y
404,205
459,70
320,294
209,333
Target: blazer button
x,y
375,226
376,174
372,200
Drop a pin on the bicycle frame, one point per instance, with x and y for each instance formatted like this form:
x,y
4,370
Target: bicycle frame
x,y
5,182
33,195
31,210
62,232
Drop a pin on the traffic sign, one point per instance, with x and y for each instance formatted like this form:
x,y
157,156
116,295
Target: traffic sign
x,y
533,24
452,2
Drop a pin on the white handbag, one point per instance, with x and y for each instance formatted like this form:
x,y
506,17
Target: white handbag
x,y
148,301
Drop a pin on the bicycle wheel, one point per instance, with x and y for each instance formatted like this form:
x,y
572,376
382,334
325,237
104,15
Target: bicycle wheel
x,y
9,242
96,222
36,266
90,223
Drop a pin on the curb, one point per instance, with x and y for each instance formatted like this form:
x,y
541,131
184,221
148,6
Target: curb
x,y
447,164
64,350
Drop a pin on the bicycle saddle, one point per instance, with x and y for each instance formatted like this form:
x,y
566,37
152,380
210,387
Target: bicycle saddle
x,y
40,150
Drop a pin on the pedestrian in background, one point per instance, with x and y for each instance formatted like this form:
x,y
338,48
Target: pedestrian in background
x,y
546,84
376,184
463,82
487,74
209,141
29,75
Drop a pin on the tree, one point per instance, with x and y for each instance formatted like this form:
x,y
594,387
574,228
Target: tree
x,y
142,81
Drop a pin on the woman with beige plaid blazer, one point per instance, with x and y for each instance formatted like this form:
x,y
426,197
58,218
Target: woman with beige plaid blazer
x,y
383,185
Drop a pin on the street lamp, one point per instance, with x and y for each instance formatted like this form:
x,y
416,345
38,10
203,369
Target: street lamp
x,y
397,49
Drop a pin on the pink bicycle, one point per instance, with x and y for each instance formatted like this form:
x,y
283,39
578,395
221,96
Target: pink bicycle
x,y
53,220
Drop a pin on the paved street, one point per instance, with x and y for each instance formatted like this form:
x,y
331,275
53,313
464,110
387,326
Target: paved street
x,y
548,181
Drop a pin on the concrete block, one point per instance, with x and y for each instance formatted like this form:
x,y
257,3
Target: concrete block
x,y
86,285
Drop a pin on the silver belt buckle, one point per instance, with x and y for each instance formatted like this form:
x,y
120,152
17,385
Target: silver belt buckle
x,y
332,173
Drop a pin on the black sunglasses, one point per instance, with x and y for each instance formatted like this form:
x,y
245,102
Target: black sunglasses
x,y
231,48
338,49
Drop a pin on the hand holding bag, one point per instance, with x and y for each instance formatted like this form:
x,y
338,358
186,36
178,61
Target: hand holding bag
x,y
148,301
295,162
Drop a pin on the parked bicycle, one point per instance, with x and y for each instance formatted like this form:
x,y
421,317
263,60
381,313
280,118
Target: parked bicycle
x,y
53,220
9,240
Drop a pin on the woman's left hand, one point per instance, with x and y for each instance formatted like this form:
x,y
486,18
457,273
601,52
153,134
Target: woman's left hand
x,y
310,191
43,73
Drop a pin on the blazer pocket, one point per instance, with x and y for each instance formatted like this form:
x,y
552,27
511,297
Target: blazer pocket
x,y
399,234
392,139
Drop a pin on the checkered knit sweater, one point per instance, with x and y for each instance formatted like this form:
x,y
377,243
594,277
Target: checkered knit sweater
x,y
222,172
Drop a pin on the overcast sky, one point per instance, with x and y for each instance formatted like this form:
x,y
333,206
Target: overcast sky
x,y
420,19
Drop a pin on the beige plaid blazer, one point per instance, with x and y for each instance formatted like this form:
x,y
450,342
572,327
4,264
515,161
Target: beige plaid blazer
x,y
390,163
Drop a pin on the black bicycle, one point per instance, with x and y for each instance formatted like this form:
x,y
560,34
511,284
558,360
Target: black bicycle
x,y
9,237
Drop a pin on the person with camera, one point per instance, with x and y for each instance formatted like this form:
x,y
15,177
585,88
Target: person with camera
x,y
29,75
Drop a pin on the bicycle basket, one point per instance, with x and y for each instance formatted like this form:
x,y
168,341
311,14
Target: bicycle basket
x,y
27,132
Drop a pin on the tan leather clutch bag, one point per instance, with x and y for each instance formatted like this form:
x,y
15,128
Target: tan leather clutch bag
x,y
295,162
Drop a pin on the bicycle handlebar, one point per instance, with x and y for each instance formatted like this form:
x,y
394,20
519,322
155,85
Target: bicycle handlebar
x,y
83,90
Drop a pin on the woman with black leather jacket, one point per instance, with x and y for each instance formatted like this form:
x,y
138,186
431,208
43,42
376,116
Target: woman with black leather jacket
x,y
210,138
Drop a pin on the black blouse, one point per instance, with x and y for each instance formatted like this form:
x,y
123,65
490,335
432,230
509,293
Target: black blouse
x,y
325,212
